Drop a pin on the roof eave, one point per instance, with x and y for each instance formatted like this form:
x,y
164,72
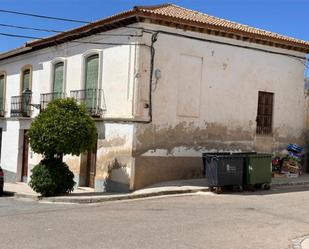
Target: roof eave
x,y
296,46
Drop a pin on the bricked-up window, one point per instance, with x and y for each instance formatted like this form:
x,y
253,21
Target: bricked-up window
x,y
264,117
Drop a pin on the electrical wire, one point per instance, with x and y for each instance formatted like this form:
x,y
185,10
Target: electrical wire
x,y
19,36
43,16
82,42
29,28
57,31
221,42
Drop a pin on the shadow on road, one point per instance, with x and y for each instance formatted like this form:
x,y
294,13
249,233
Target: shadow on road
x,y
272,191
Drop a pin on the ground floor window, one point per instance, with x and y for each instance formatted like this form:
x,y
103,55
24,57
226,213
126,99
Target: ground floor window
x,y
264,117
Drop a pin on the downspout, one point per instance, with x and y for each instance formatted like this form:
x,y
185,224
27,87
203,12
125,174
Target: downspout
x,y
152,56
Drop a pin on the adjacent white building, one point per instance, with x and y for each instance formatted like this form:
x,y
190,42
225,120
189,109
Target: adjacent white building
x,y
164,84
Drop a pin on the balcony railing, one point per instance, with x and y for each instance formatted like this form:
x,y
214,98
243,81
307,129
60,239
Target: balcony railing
x,y
21,105
46,98
93,99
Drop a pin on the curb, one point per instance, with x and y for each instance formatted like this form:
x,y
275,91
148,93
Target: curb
x,y
33,197
17,195
296,243
119,197
97,199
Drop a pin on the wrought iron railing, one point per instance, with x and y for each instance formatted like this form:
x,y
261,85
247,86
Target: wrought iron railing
x,y
93,99
46,98
21,105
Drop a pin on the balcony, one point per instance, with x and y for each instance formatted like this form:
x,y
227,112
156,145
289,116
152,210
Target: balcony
x,y
93,99
21,105
46,98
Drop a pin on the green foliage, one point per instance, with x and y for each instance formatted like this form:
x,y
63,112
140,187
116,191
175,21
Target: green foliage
x,y
52,177
63,127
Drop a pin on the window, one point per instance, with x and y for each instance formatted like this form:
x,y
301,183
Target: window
x,y
264,113
26,83
58,77
92,72
26,79
2,93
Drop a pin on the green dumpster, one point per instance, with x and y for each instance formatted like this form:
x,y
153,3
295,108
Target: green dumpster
x,y
257,171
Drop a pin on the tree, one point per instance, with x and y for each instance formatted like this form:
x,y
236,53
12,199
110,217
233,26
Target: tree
x,y
62,128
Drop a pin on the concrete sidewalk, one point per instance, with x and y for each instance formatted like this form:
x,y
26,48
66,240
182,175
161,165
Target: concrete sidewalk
x,y
87,195
23,190
284,181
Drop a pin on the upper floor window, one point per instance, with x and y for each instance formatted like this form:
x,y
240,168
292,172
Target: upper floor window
x,y
26,78
2,93
264,117
92,72
58,77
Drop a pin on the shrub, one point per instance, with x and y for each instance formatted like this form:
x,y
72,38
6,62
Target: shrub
x,y
51,177
63,127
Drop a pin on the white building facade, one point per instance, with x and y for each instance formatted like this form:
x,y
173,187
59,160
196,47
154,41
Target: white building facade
x,y
163,84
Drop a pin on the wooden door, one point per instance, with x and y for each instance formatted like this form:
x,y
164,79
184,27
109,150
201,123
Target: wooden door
x,y
91,166
24,171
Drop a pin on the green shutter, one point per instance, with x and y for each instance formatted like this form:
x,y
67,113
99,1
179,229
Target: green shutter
x,y
26,79
25,85
91,84
92,72
1,92
58,78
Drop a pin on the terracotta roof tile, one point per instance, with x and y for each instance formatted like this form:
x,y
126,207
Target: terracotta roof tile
x,y
180,13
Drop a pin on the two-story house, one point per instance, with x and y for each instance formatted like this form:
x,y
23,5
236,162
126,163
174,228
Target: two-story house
x,y
163,84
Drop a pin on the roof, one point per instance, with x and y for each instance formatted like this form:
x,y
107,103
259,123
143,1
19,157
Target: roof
x,y
169,15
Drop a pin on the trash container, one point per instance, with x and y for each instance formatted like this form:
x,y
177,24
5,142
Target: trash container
x,y
224,170
257,170
207,154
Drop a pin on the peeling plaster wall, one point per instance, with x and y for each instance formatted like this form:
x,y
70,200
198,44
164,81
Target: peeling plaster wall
x,y
114,155
227,97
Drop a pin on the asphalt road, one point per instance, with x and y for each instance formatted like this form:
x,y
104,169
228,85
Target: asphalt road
x,y
263,219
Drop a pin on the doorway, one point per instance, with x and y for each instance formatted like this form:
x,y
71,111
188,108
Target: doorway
x,y
91,166
24,169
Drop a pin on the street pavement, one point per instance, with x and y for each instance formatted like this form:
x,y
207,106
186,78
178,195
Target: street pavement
x,y
262,219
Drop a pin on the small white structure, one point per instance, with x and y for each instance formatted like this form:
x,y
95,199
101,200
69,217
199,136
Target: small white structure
x,y
164,84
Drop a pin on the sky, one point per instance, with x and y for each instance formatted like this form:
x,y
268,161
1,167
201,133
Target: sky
x,y
287,17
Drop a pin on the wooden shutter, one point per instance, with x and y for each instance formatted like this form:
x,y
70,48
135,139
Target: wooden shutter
x,y
92,72
264,113
26,79
58,78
